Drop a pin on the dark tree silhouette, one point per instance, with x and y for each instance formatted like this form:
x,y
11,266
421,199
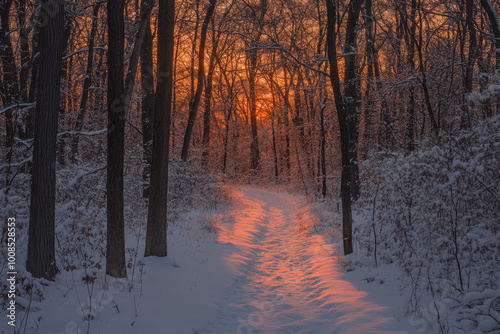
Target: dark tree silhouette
x,y
115,249
156,234
195,101
346,110
41,248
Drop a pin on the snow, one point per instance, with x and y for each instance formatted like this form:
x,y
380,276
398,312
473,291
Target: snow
x,y
262,273
289,281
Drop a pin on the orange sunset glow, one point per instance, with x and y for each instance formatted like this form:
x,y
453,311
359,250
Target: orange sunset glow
x,y
250,166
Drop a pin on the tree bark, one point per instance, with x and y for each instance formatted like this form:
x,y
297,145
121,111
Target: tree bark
x,y
156,234
346,110
41,248
352,94
115,249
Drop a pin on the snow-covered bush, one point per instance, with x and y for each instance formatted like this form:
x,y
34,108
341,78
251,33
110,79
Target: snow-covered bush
x,y
436,212
192,187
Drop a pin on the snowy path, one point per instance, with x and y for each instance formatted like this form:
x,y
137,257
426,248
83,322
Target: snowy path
x,y
265,274
287,281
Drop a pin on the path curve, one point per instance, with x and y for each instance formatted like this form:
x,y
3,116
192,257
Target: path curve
x,y
287,281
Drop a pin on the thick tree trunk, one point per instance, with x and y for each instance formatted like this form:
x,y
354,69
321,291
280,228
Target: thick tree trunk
x,y
41,248
156,234
115,250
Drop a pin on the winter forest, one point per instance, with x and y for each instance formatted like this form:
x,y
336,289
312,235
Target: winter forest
x,y
250,166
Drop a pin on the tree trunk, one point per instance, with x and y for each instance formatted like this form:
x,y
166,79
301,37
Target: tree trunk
x,y
252,56
323,150
208,98
346,110
148,106
9,84
386,113
369,108
275,152
231,98
286,113
115,250
41,248
322,135
468,74
156,234
410,45
254,145
86,84
195,102
352,95
25,125
495,26
146,8
24,50
66,106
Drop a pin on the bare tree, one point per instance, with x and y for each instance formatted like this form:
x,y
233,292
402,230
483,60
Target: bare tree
x,y
346,109
252,57
156,235
148,105
195,101
86,84
115,250
41,248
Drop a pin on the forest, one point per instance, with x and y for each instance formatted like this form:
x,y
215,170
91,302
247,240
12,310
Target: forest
x,y
124,123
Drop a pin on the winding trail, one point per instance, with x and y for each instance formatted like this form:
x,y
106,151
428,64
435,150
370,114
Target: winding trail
x,y
288,281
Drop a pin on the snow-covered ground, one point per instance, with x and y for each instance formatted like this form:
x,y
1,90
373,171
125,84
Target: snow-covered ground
x,y
289,281
262,273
